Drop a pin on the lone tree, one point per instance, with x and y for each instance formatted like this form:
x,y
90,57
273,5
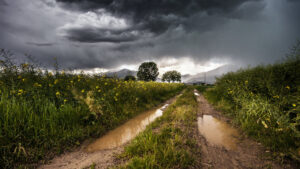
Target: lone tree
x,y
148,71
171,76
129,77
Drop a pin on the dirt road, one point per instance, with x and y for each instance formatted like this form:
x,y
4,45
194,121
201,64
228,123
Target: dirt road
x,y
102,152
224,146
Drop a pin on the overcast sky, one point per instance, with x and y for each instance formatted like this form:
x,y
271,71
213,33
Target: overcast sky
x,y
189,35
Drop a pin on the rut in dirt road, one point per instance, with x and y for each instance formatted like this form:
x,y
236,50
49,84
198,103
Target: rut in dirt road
x,y
225,147
102,152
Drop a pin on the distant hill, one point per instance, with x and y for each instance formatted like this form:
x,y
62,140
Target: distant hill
x,y
210,76
121,73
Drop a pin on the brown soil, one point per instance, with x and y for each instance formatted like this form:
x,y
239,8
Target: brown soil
x,y
81,158
247,153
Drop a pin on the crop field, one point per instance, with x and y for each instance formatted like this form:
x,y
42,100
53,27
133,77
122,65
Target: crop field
x,y
44,113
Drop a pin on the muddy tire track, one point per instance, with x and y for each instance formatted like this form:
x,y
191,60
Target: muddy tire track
x,y
247,154
103,158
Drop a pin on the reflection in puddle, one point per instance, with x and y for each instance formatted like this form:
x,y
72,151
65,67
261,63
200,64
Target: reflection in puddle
x,y
217,132
126,132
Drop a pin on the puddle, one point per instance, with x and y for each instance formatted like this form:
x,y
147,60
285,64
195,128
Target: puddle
x,y
126,132
217,132
196,94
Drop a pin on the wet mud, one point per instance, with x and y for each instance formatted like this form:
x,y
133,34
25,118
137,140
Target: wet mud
x,y
224,146
126,132
217,132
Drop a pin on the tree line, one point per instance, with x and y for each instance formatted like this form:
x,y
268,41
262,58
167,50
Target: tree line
x,y
148,71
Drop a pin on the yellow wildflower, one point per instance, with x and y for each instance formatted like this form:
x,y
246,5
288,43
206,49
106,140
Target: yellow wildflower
x,y
65,100
23,79
288,87
99,90
56,81
82,91
264,123
20,92
57,94
294,105
97,87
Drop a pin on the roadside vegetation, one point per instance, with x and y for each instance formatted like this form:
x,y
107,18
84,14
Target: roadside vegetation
x,y
203,88
168,142
265,102
44,113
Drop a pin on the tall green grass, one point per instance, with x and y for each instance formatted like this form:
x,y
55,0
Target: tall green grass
x,y
43,113
265,101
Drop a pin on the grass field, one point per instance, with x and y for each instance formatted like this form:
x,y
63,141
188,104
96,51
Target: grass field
x,y
265,102
43,113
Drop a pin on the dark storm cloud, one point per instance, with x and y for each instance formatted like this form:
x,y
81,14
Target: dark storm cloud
x,y
3,3
246,31
40,44
92,35
146,16
128,47
142,9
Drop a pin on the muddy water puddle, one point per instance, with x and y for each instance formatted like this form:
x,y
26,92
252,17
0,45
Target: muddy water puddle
x,y
217,132
126,132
